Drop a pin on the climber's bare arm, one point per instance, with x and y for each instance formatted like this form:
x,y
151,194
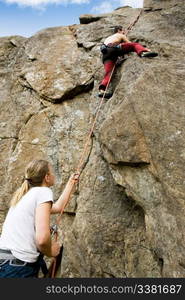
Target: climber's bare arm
x,y
124,38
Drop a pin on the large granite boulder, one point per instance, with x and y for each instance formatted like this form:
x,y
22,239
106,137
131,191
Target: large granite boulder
x,y
126,217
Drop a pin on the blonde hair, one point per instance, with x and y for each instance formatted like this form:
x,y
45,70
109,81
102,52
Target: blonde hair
x,y
35,173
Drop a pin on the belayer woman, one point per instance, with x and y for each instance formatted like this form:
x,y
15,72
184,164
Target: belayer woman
x,y
26,235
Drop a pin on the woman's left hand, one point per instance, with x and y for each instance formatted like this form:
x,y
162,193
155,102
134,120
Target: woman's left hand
x,y
75,177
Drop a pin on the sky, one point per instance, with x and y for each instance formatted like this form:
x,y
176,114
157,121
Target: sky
x,y
26,17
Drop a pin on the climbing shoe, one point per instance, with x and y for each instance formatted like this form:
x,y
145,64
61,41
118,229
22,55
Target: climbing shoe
x,y
101,93
149,54
106,95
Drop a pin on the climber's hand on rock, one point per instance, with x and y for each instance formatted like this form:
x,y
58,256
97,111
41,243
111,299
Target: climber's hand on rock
x,y
74,177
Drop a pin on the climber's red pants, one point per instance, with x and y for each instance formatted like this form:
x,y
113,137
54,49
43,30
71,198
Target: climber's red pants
x,y
108,67
132,47
111,56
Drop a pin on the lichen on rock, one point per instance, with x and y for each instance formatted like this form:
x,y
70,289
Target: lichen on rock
x,y
126,218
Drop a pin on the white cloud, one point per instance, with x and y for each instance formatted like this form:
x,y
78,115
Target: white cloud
x,y
110,5
39,3
132,3
104,7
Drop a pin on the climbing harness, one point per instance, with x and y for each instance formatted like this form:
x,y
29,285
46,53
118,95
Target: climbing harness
x,y
56,260
104,48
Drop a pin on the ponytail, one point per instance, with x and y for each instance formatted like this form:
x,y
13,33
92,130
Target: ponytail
x,y
20,193
35,173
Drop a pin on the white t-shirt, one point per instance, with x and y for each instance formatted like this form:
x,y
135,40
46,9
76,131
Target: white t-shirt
x,y
18,233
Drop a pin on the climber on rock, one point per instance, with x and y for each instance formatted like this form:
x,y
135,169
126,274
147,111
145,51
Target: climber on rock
x,y
26,231
116,46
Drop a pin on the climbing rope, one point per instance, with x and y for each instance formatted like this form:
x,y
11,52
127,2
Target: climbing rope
x,y
79,167
131,25
52,269
81,161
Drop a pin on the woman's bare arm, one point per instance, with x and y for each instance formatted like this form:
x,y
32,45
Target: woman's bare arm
x,y
42,226
59,205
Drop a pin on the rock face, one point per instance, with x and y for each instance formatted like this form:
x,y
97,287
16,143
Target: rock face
x,y
126,218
